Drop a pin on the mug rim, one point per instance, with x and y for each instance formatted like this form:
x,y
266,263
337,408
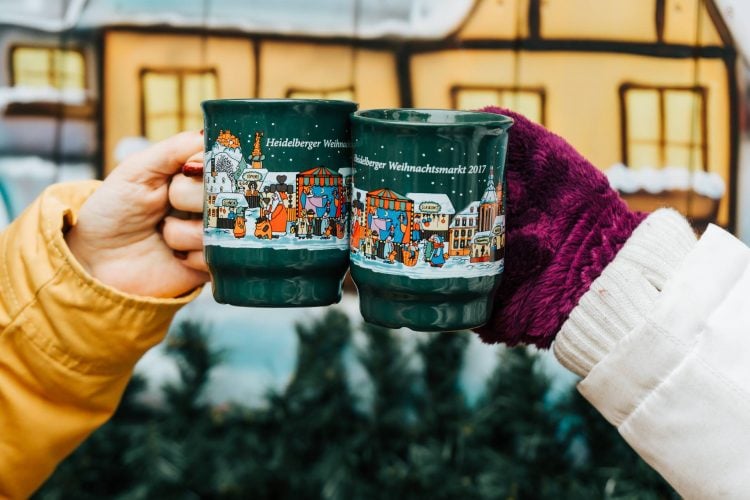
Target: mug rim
x,y
263,100
386,117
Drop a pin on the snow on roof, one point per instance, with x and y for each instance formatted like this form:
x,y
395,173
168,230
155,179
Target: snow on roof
x,y
425,19
490,195
346,171
481,234
651,180
445,205
471,209
20,94
736,15
45,15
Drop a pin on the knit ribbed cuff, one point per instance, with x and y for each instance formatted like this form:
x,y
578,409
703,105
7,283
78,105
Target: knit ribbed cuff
x,y
619,299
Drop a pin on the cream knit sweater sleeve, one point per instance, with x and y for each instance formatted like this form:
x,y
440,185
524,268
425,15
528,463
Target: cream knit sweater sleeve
x,y
662,341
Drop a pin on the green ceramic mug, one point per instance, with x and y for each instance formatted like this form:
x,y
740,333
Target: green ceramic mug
x,y
277,178
428,220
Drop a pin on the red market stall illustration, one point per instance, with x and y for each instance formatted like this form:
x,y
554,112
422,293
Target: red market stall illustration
x,y
320,201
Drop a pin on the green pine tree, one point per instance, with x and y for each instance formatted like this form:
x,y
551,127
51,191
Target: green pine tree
x,y
383,469
319,437
518,428
320,422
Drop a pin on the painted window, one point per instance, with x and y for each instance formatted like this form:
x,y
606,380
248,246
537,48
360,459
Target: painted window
x,y
528,101
663,126
344,93
171,100
48,67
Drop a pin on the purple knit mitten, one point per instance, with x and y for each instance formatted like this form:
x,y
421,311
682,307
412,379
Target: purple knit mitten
x,y
564,225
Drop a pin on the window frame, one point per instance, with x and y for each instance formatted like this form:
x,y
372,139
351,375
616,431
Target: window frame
x,y
180,72
540,91
45,108
662,141
49,48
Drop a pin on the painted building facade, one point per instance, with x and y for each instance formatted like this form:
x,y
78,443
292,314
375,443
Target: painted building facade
x,y
644,84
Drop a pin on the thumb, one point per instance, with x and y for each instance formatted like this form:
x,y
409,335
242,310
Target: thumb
x,y
163,159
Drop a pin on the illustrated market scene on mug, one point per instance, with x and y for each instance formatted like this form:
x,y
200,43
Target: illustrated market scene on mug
x,y
364,249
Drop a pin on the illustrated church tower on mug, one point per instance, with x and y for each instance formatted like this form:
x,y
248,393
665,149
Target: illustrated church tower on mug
x,y
257,157
488,206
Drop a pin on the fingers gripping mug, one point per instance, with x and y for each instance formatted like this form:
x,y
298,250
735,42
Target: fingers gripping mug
x,y
277,178
428,220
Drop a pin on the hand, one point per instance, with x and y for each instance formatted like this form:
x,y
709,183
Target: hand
x,y
564,225
117,237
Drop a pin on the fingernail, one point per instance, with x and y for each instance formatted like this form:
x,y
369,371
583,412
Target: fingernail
x,y
192,169
179,254
201,131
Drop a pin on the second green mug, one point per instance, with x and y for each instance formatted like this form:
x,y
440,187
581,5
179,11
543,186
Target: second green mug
x,y
428,220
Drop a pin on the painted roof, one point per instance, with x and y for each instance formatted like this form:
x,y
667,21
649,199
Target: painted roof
x,y
387,194
46,15
318,171
240,199
272,178
446,207
425,19
483,234
412,19
468,210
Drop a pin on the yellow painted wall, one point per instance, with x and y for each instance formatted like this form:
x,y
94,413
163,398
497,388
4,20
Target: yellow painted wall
x,y
126,53
298,65
582,92
682,26
631,20
497,19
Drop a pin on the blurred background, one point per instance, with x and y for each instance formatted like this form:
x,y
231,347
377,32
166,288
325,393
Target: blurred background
x,y
311,403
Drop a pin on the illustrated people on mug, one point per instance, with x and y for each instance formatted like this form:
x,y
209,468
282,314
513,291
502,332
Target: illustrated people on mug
x,y
325,223
411,254
392,232
438,251
303,197
239,225
388,248
356,234
374,240
416,230
338,203
325,226
252,195
278,213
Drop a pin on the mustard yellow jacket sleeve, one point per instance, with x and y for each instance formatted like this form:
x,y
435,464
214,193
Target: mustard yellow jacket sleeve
x,y
68,343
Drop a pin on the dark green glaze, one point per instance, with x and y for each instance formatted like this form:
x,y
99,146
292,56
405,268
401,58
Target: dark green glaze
x,y
426,305
275,267
252,277
432,171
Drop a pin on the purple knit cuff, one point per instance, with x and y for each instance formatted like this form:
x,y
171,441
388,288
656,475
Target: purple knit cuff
x,y
564,225
535,311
